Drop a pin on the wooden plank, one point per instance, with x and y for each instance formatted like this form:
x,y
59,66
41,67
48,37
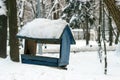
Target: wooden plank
x,y
47,40
64,49
39,60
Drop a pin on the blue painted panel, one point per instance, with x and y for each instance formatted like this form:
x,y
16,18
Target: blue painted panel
x,y
39,60
72,40
64,49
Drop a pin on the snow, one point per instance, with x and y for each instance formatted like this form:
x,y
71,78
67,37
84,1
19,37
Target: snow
x,y
117,53
43,28
93,46
83,66
117,2
83,0
73,18
3,9
21,9
118,49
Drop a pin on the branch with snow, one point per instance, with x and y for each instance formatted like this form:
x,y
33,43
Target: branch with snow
x,y
55,3
21,9
3,9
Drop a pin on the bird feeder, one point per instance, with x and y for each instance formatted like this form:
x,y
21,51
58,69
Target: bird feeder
x,y
48,32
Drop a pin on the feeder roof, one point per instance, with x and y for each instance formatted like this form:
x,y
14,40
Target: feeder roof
x,y
43,29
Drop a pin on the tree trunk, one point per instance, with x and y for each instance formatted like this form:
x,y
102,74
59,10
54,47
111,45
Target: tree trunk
x,y
13,29
117,38
100,22
114,11
103,36
56,13
110,30
99,31
87,31
3,36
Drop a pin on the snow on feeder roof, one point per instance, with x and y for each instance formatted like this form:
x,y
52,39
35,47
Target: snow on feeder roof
x,y
43,28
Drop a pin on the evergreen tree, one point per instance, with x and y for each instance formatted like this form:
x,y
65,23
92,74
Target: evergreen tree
x,y
77,11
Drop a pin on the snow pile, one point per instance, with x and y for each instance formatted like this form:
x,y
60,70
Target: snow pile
x,y
3,9
43,28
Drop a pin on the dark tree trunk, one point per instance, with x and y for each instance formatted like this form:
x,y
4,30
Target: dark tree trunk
x,y
100,22
117,38
87,32
110,31
13,29
3,36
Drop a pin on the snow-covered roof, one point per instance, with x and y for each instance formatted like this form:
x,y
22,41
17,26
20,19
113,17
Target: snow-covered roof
x,y
43,29
3,9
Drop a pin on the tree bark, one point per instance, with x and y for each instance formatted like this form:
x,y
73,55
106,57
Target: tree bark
x,y
110,31
114,11
3,36
13,29
117,38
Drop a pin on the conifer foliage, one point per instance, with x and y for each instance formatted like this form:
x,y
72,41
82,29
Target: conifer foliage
x,y
77,11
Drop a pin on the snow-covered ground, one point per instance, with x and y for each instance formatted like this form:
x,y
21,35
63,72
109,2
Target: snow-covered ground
x,y
80,46
83,66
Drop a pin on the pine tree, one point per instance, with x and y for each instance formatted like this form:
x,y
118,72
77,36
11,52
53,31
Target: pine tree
x,y
76,11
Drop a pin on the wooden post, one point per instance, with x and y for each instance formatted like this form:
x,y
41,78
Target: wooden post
x,y
30,47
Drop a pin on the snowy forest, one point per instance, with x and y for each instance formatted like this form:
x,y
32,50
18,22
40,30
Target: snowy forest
x,y
28,32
